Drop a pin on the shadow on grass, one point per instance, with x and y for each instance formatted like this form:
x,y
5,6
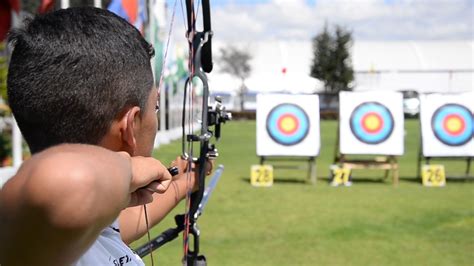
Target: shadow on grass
x,y
449,179
282,180
407,179
364,180
459,179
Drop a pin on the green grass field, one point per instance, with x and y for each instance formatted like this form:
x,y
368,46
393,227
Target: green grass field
x,y
296,223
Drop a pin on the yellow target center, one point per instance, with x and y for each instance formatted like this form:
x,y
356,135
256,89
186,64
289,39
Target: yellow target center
x,y
372,122
454,124
288,124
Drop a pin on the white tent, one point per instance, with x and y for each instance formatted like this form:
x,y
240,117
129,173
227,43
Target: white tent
x,y
425,66
288,83
277,66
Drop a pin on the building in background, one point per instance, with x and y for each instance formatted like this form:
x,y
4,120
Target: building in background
x,y
410,66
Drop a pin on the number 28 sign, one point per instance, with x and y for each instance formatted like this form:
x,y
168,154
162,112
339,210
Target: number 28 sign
x,y
261,175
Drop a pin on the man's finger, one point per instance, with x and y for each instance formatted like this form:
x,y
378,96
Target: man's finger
x,y
158,187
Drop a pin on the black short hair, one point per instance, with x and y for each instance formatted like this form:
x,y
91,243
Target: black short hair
x,y
72,72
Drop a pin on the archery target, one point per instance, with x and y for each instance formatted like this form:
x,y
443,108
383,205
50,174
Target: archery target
x,y
447,124
371,123
287,125
452,124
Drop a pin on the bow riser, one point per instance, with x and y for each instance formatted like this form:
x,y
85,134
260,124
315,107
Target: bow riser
x,y
200,62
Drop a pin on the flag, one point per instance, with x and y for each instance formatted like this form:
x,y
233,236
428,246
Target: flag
x,y
46,5
6,8
134,11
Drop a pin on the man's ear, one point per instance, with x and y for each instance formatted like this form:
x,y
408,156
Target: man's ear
x,y
128,125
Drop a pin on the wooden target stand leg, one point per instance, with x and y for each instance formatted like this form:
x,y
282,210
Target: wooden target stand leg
x,y
468,167
311,168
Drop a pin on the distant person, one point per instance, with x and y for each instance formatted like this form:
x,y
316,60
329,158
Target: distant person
x,y
81,88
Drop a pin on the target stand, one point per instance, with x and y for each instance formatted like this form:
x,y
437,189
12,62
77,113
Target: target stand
x,y
310,167
389,163
422,160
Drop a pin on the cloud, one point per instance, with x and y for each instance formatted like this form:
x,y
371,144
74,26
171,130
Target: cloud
x,y
367,19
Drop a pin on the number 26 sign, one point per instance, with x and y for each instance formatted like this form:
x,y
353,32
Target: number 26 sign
x,y
433,175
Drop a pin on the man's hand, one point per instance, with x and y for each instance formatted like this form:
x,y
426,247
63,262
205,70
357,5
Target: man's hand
x,y
132,221
148,176
182,165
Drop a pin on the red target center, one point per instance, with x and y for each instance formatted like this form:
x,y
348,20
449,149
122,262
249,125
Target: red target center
x,y
288,124
454,124
372,122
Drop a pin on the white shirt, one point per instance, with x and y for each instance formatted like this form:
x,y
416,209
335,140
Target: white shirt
x,y
109,249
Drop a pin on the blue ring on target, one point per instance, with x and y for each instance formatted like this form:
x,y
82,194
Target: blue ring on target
x,y
384,119
299,121
464,131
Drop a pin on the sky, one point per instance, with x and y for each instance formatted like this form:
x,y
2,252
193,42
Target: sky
x,y
374,20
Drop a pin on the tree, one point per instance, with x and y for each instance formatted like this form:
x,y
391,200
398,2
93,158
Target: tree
x,y
236,62
332,63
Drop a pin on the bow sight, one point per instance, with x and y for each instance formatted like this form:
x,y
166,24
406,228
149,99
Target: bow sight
x,y
218,115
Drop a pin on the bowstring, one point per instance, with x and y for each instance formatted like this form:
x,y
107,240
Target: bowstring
x,y
170,31
190,156
148,235
160,83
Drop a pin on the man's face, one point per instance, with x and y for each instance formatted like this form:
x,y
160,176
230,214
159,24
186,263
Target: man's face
x,y
146,132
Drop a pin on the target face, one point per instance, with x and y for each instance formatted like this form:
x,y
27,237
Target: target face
x,y
287,124
452,124
371,123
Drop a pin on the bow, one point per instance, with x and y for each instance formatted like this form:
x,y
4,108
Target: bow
x,y
210,120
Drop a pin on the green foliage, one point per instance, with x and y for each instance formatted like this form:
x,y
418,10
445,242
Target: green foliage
x,y
5,146
296,223
236,62
3,70
30,6
332,61
5,136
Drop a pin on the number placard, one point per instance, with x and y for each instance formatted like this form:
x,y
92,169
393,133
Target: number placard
x,y
340,176
261,175
433,175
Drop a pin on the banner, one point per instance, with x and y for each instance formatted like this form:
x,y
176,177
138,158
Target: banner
x,y
288,125
371,123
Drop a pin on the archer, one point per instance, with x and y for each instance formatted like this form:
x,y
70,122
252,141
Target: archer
x,y
81,88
